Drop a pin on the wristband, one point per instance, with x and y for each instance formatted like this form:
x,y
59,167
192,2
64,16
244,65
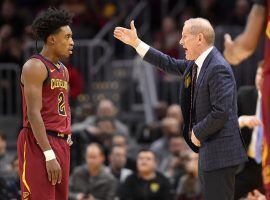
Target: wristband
x,y
49,155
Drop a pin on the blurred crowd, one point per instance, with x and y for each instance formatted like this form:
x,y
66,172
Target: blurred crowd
x,y
111,159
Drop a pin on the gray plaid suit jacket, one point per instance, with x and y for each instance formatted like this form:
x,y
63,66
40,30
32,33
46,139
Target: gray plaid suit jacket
x,y
215,98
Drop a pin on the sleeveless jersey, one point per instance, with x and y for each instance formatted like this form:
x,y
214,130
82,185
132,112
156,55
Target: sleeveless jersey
x,y
55,110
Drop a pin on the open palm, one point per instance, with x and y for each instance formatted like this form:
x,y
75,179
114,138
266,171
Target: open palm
x,y
128,36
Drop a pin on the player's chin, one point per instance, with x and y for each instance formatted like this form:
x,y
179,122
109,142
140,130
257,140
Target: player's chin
x,y
68,54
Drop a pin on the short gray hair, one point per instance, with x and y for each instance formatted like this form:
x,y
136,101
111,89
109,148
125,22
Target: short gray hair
x,y
201,25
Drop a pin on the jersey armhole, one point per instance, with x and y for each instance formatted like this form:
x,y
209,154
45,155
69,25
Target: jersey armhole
x,y
48,71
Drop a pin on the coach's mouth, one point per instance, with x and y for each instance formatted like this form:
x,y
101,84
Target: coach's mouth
x,y
70,50
186,50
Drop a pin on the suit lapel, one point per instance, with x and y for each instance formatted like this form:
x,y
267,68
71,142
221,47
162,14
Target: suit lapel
x,y
202,72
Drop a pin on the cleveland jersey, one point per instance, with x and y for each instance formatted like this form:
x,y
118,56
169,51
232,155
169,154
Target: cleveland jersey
x,y
55,110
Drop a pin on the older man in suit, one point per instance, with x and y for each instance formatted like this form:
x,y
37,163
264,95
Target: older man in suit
x,y
208,102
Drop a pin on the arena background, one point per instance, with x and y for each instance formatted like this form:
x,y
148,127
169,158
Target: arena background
x,y
103,68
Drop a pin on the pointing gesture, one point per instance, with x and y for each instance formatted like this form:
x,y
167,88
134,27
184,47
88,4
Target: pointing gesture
x,y
127,36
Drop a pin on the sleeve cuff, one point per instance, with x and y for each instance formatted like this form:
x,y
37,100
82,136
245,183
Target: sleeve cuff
x,y
142,48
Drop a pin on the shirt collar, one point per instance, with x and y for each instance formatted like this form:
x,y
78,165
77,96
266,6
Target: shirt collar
x,y
199,61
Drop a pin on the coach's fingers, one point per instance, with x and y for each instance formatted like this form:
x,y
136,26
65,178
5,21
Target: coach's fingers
x,y
132,26
117,33
121,29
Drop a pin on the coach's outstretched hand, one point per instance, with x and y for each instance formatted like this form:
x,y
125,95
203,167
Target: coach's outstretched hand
x,y
54,171
128,36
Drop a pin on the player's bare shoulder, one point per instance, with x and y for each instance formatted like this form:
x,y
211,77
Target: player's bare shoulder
x,y
34,69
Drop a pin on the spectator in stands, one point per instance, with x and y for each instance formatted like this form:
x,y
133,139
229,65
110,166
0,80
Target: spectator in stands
x,y
240,12
75,83
5,157
105,110
189,187
167,38
147,183
11,30
10,183
172,166
170,127
148,133
212,10
175,111
117,162
14,182
92,181
249,104
130,148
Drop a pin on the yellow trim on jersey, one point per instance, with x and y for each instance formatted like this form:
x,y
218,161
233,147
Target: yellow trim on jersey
x,y
24,166
267,31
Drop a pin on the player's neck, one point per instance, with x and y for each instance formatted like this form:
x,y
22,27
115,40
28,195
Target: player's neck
x,y
48,54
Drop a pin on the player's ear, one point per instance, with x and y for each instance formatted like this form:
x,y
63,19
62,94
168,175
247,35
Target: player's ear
x,y
51,40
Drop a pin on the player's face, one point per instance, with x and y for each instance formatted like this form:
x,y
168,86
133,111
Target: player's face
x,y
64,42
189,43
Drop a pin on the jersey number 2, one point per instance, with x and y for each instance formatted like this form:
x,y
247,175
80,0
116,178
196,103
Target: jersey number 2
x,y
61,104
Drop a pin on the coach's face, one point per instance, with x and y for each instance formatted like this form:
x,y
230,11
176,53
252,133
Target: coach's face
x,y
189,42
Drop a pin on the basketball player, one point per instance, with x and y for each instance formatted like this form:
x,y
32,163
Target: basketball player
x,y
43,143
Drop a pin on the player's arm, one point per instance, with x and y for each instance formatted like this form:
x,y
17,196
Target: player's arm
x,y
245,44
33,75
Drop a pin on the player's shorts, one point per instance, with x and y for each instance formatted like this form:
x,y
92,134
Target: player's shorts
x,y
34,180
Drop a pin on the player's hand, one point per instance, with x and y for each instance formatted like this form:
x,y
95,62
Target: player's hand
x,y
229,53
54,171
128,36
249,121
195,140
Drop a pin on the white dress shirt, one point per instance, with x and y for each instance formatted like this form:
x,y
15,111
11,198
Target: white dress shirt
x,y
199,61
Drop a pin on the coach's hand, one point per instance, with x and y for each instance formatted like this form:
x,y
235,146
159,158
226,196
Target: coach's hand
x,y
54,171
128,36
195,140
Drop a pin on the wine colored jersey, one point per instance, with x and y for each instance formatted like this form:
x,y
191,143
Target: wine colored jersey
x,y
55,110
267,40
